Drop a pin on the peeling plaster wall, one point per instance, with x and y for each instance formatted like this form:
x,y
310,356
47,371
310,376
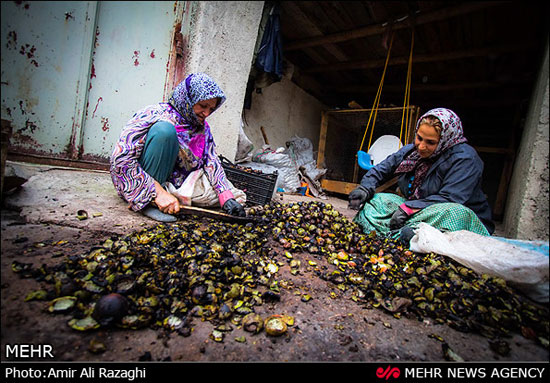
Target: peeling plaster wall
x,y
527,211
222,36
284,110
74,72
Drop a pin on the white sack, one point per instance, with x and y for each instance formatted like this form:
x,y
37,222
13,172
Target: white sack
x,y
196,190
301,150
244,146
525,269
288,174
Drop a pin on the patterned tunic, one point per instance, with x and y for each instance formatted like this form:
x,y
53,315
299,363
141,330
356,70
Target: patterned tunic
x,y
197,150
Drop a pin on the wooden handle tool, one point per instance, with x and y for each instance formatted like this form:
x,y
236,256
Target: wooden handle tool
x,y
202,212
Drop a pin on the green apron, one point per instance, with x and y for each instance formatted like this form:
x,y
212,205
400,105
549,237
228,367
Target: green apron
x,y
377,213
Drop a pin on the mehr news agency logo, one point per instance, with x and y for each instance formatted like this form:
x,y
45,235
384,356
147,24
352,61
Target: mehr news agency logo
x,y
388,373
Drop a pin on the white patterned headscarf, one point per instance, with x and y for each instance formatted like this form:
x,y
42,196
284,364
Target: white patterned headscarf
x,y
451,132
195,88
451,135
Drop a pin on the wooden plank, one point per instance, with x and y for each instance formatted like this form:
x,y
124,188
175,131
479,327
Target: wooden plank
x,y
215,214
378,29
264,135
358,88
356,169
309,23
386,185
344,111
347,187
415,114
322,140
488,149
421,58
338,186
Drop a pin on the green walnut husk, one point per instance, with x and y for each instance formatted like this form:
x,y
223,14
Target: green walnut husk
x,y
220,272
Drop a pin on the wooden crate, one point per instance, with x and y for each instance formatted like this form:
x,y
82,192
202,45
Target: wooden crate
x,y
334,122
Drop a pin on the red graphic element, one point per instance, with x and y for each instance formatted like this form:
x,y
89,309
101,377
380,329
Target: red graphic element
x,y
152,55
389,372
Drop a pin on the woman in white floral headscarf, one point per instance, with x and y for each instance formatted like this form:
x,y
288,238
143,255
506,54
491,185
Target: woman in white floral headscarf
x,y
439,182
166,142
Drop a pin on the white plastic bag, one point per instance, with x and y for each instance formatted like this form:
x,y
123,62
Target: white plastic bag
x,y
301,150
196,190
288,174
525,269
244,146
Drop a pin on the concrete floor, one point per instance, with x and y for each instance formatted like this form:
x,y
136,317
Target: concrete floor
x,y
56,194
40,225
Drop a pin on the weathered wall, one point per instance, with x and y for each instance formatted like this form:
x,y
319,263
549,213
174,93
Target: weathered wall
x,y
74,72
222,36
527,205
284,110
46,48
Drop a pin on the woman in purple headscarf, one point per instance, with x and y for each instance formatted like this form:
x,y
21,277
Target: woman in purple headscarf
x,y
166,142
439,183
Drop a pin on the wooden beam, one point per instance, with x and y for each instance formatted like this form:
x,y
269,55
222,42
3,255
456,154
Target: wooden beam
x,y
338,186
378,29
428,87
487,149
386,185
311,28
347,187
421,58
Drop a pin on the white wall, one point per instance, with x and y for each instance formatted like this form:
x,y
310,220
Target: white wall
x,y
222,36
284,110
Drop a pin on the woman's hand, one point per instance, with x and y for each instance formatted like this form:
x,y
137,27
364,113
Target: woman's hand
x,y
398,219
400,216
232,207
358,197
166,202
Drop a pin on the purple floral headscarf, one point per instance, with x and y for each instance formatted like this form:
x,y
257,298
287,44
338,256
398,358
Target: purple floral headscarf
x,y
196,87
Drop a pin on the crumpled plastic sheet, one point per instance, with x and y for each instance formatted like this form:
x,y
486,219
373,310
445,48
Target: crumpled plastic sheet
x,y
524,264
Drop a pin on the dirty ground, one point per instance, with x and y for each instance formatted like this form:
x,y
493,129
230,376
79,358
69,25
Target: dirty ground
x,y
40,226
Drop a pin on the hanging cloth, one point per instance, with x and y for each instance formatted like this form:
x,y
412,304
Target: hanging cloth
x,y
270,53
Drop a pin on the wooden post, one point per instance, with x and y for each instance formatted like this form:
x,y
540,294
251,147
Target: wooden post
x,y
322,140
415,111
264,135
356,169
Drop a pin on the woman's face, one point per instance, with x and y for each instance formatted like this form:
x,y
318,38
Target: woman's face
x,y
426,140
204,108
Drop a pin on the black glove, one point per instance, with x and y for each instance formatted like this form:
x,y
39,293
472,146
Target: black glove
x,y
358,197
398,219
234,208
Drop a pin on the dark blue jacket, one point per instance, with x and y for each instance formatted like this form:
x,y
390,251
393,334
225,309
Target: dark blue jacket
x,y
454,177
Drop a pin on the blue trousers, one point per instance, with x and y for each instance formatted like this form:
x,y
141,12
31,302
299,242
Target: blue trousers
x,y
160,151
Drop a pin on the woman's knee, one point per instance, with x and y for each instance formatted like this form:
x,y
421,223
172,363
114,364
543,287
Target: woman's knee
x,y
461,209
163,131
